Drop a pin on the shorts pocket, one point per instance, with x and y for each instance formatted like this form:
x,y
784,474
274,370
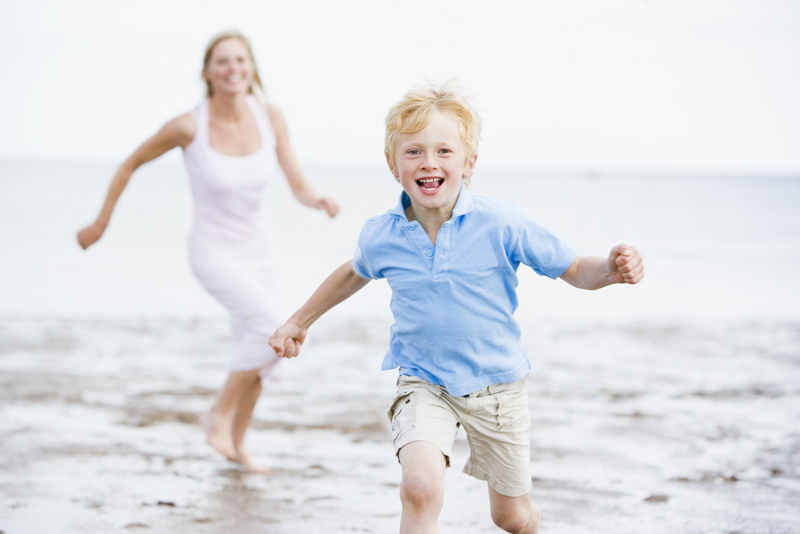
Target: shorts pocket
x,y
402,407
513,413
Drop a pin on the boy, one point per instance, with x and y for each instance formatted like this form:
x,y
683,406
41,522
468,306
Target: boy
x,y
451,260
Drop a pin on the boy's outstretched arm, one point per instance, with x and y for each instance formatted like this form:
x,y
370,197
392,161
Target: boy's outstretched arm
x,y
338,287
624,265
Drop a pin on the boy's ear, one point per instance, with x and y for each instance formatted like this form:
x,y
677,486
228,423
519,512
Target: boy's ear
x,y
391,167
469,168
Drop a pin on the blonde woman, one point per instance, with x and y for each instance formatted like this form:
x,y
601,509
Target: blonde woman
x,y
230,144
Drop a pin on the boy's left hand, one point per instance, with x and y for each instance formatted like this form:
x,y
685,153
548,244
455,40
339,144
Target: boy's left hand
x,y
626,264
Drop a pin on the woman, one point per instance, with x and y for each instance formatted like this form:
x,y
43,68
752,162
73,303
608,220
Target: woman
x,y
230,144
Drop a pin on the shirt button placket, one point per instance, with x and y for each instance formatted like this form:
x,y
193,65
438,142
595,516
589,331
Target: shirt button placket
x,y
443,243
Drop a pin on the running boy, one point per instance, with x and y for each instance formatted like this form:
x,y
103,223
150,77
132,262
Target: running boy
x,y
451,260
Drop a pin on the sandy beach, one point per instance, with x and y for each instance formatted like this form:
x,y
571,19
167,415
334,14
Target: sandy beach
x,y
99,432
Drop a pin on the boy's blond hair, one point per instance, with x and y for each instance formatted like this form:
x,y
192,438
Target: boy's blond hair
x,y
412,113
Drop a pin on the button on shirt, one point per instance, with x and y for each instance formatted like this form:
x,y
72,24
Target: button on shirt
x,y
453,303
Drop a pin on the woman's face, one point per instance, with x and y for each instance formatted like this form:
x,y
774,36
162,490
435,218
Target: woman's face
x,y
230,68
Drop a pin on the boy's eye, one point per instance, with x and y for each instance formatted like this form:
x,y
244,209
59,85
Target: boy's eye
x,y
445,151
413,152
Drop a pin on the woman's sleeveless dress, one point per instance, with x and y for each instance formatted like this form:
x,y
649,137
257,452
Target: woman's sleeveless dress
x,y
229,248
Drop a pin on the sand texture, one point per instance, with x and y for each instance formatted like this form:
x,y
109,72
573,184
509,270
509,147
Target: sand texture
x,y
635,430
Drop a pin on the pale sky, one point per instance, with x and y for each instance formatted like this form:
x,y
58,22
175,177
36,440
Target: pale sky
x,y
660,85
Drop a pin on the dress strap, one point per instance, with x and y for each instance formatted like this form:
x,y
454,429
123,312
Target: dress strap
x,y
200,139
201,118
261,115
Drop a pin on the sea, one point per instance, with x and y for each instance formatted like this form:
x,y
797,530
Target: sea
x,y
715,246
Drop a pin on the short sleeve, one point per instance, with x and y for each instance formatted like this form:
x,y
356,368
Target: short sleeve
x,y
539,248
361,260
361,265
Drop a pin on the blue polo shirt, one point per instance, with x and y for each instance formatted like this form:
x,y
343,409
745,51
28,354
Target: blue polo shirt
x,y
453,303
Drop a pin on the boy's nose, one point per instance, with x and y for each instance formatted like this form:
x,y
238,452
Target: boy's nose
x,y
429,162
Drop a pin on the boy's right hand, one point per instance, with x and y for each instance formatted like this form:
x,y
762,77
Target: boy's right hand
x,y
287,340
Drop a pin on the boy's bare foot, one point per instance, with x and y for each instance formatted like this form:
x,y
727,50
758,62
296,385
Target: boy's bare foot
x,y
218,435
243,457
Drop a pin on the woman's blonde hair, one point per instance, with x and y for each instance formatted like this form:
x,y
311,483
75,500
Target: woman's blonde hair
x,y
412,113
222,36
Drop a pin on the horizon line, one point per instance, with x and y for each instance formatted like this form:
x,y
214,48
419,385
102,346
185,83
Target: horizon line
x,y
592,172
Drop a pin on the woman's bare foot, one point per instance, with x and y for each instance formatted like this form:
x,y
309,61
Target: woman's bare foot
x,y
243,457
218,434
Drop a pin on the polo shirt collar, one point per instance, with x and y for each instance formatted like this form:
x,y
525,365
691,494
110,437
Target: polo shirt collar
x,y
463,204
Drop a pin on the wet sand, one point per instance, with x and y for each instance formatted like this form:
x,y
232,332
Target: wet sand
x,y
654,428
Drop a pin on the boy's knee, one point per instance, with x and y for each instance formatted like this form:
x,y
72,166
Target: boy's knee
x,y
516,524
420,490
521,520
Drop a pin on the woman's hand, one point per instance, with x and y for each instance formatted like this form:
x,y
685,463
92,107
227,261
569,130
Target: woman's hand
x,y
329,205
89,235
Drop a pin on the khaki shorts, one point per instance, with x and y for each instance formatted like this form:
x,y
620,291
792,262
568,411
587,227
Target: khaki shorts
x,y
496,420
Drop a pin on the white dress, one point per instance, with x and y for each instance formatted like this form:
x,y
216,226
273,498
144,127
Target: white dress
x,y
229,248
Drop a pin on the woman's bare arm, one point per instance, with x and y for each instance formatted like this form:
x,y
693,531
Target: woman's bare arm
x,y
177,132
301,189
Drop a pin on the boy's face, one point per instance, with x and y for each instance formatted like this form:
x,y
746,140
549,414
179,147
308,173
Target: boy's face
x,y
431,164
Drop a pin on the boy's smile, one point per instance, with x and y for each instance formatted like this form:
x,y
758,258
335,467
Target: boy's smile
x,y
430,165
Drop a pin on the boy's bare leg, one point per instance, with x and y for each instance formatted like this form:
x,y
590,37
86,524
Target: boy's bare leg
x,y
422,487
241,421
218,422
519,515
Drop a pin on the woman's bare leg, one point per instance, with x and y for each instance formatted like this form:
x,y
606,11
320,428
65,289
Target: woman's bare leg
x,y
218,422
241,421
